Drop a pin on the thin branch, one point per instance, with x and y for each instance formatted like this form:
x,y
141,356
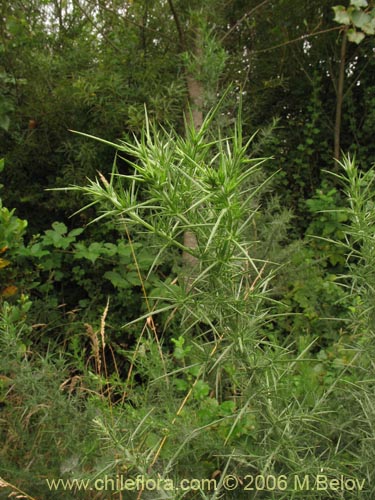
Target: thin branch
x,y
300,38
306,73
349,88
134,23
332,73
123,18
240,21
94,24
181,35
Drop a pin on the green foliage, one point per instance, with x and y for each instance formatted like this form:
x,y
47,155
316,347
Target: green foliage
x,y
6,101
215,378
37,403
359,281
60,271
63,75
117,358
68,271
360,16
210,198
299,157
207,62
95,69
328,225
12,230
359,240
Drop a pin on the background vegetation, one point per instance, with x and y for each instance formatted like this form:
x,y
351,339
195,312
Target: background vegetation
x,y
208,309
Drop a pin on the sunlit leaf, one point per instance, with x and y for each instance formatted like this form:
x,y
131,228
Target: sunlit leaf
x,y
355,36
359,3
369,28
341,15
360,18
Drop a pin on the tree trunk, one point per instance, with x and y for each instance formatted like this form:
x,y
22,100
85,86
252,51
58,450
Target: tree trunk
x,y
194,116
195,92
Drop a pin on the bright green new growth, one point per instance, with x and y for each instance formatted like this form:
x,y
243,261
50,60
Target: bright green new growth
x,y
205,186
193,183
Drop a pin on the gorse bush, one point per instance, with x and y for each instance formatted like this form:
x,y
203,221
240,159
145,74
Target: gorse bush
x,y
215,375
359,241
230,397
358,188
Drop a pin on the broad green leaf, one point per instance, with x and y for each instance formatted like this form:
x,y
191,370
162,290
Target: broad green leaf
x,y
359,3
132,278
56,236
108,249
116,279
60,227
76,232
36,250
195,370
360,18
145,259
125,250
180,384
94,251
201,390
341,15
369,28
180,351
355,36
91,253
227,407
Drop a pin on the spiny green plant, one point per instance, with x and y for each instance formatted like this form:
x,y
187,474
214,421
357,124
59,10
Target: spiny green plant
x,y
359,240
209,387
209,390
359,283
